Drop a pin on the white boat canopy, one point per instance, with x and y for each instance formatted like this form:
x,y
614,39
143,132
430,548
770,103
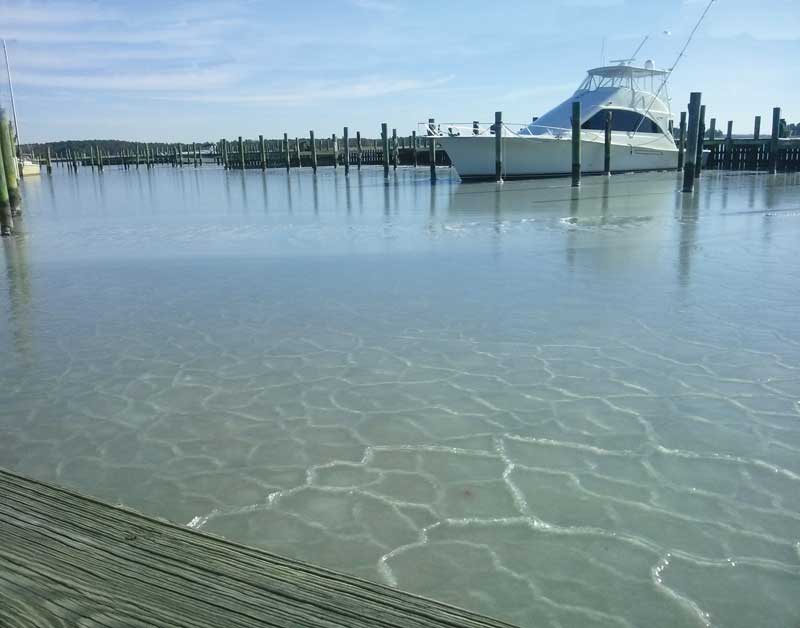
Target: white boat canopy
x,y
624,76
633,94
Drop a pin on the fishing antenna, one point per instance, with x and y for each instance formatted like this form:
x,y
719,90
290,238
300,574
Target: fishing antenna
x,y
674,65
636,52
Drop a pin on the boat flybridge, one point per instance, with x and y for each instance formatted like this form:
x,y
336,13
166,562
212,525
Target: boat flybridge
x,y
641,138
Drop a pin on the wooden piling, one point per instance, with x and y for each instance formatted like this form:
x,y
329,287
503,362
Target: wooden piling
x,y
194,153
313,143
395,150
346,146
335,147
682,141
359,156
297,152
692,141
49,161
262,153
100,159
607,144
286,151
576,143
9,161
241,153
432,147
773,144
498,146
385,148
701,135
729,145
757,128
414,148
6,219
226,160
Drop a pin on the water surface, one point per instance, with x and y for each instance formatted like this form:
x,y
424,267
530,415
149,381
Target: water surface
x,y
557,407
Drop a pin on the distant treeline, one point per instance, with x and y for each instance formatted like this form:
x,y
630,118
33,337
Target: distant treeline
x,y
109,147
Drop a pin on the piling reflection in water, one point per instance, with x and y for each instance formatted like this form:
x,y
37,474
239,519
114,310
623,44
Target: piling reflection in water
x,y
20,299
687,238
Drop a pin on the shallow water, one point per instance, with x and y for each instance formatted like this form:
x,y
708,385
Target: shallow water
x,y
558,408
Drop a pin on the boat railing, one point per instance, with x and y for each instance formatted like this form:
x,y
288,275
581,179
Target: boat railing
x,y
509,129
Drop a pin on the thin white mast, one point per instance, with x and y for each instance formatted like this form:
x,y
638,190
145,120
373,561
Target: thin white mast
x,y
11,92
636,52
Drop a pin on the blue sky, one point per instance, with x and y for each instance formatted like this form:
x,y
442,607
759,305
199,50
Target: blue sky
x,y
183,71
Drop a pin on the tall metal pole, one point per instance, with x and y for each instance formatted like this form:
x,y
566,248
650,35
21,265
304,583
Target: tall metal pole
x,y
11,93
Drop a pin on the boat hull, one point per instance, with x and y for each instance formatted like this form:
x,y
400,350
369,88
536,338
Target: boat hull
x,y
28,169
547,156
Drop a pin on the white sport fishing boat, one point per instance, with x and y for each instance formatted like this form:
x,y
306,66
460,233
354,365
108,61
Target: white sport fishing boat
x,y
641,138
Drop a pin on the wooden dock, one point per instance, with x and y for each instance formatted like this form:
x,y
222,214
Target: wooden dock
x,y
69,560
752,154
243,153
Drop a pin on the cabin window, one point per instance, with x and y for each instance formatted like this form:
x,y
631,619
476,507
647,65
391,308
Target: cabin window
x,y
622,120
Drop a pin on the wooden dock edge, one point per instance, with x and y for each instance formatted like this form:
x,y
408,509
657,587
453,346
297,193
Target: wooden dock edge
x,y
67,559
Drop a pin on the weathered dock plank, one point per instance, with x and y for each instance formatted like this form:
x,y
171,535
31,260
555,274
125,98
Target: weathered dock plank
x,y
67,560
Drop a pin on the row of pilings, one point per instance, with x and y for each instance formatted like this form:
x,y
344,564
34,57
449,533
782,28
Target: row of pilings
x,y
694,151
